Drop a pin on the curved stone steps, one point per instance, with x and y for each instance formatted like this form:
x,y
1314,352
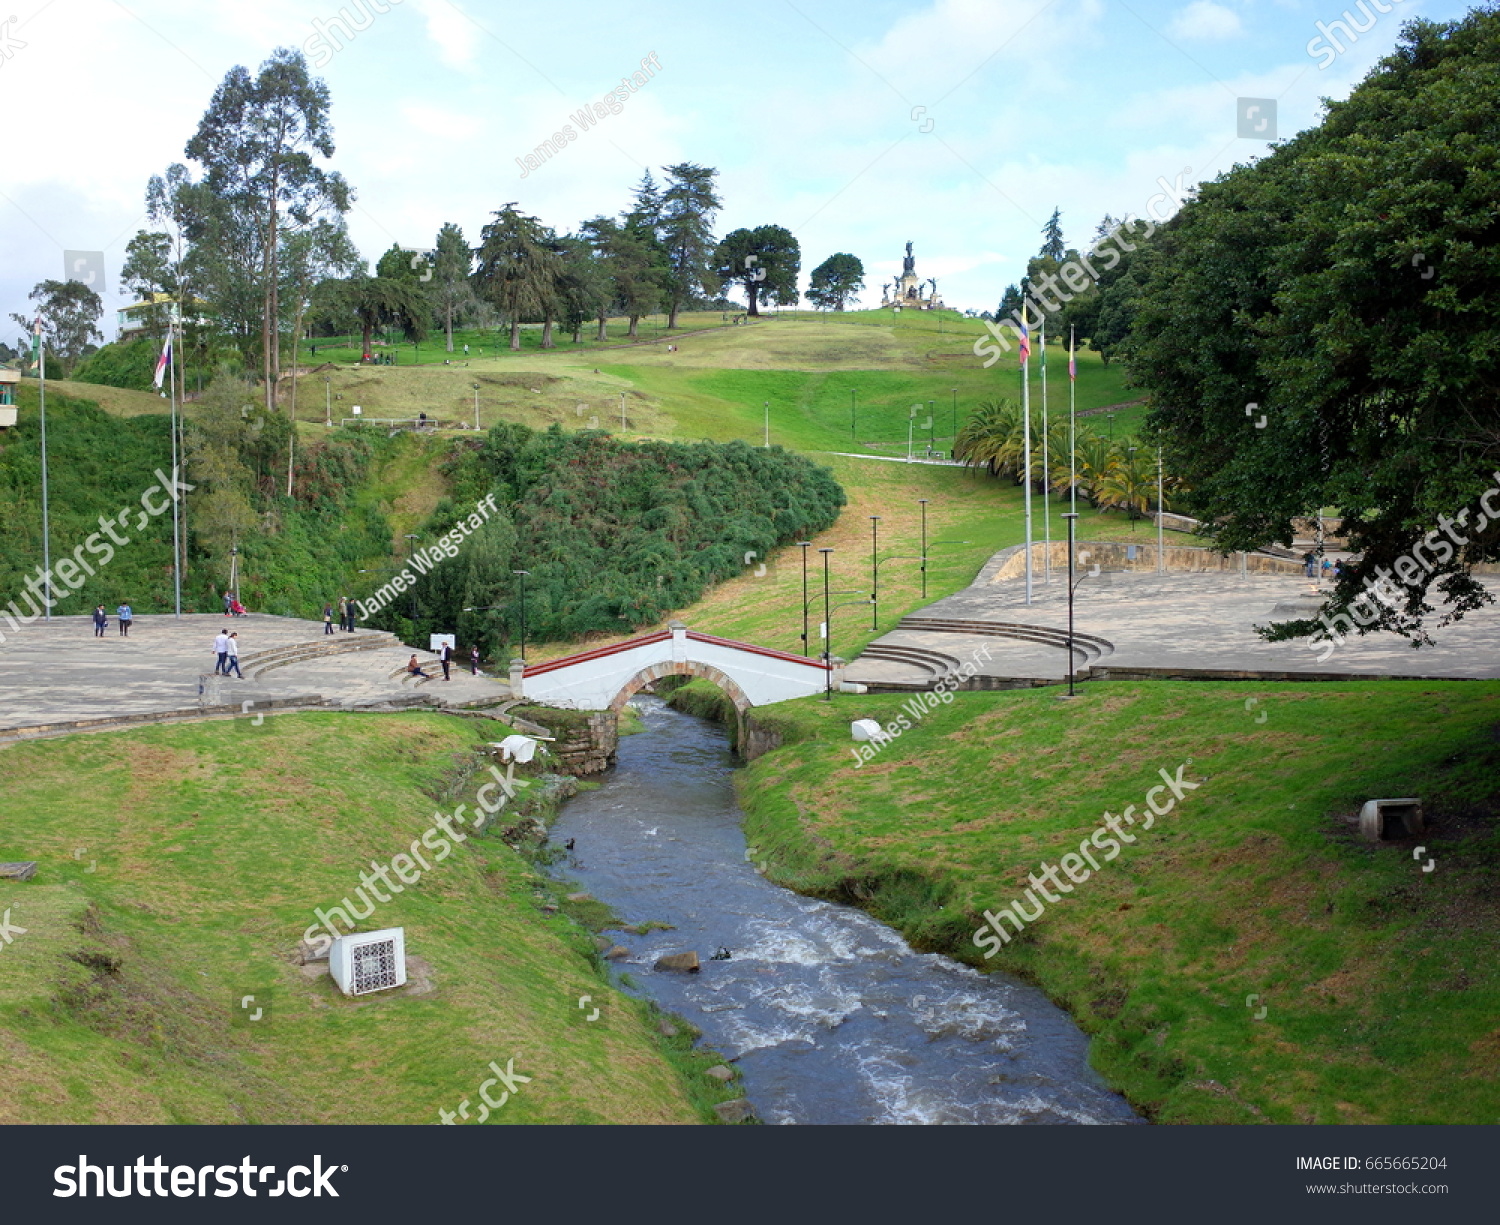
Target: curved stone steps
x,y
1086,647
301,652
934,663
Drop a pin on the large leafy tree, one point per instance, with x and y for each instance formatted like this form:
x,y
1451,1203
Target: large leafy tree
x,y
835,281
69,311
450,290
518,268
259,143
689,205
764,262
631,257
385,302
1344,288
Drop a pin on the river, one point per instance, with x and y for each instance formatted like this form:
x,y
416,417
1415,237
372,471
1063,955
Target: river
x,y
830,1016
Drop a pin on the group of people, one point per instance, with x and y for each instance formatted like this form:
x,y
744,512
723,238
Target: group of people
x,y
346,616
227,648
445,657
122,614
232,605
1333,569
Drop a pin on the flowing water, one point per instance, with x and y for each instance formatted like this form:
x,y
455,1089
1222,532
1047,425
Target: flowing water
x,y
830,1015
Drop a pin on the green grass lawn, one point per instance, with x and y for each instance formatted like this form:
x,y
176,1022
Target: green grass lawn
x,y
179,867
1381,982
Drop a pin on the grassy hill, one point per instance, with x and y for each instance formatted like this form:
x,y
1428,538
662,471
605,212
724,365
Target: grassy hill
x,y
179,868
1381,982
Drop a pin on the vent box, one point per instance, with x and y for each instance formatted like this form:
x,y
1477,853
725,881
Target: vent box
x,y
369,961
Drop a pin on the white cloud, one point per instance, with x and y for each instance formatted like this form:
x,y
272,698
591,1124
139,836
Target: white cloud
x,y
1205,21
455,35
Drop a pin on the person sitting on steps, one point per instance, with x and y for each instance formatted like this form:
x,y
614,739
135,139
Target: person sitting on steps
x,y
413,667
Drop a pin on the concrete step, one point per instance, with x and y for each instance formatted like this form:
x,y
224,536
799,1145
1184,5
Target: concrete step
x,y
1088,646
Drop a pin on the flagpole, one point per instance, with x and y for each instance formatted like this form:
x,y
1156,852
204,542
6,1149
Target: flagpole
x,y
41,346
1046,470
1026,443
176,502
1073,420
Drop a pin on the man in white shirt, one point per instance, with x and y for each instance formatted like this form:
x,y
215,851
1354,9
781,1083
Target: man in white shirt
x,y
233,660
221,649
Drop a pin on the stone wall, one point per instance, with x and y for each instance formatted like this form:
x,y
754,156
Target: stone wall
x,y
585,740
1112,555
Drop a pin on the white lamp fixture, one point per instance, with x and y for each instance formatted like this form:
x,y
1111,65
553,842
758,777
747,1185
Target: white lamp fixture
x,y
363,962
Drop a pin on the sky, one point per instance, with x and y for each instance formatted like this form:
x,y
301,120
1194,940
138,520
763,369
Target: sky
x,y
859,125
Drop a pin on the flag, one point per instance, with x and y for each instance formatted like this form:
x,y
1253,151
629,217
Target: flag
x,y
1072,357
1025,341
36,339
162,361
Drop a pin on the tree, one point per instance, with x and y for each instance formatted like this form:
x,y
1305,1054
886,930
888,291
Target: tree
x,y
1343,289
451,292
69,310
1053,246
584,286
518,268
629,253
835,281
765,261
257,143
381,302
689,205
147,272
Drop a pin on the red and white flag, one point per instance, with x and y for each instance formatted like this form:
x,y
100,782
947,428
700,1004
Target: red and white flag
x,y
162,362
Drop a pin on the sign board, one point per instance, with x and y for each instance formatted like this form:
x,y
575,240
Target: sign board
x,y
435,642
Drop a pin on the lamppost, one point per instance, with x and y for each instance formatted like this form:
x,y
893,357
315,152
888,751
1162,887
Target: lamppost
x,y
1131,472
953,420
476,406
328,400
923,501
768,425
853,414
1072,518
929,424
874,573
234,557
523,575
622,412
827,631
410,551
1161,558
803,545
1111,419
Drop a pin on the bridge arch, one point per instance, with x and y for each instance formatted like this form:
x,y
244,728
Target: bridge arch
x,y
684,667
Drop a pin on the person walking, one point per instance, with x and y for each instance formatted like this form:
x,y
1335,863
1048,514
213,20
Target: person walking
x,y
1310,564
343,612
221,649
125,617
101,621
474,660
327,619
228,600
445,655
232,657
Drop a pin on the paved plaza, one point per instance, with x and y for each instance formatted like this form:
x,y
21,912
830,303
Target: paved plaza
x,y
59,673
1197,624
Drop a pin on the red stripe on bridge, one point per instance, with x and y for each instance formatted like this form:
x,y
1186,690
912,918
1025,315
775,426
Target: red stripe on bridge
x,y
663,636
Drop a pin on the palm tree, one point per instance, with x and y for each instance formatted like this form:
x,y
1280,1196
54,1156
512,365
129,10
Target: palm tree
x,y
992,437
1097,458
1131,484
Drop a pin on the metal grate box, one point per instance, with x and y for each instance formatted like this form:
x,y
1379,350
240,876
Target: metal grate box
x,y
369,961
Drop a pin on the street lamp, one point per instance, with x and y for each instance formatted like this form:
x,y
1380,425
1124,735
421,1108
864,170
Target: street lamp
x,y
953,420
827,632
410,550
874,573
803,545
1072,518
328,400
853,414
768,425
923,501
523,575
1161,557
476,406
929,424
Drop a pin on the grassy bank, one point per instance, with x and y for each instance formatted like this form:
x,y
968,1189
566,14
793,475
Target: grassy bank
x,y
1380,982
179,866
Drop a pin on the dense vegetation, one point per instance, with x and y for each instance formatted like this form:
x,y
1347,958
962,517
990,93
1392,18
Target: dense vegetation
x,y
614,535
294,552
1320,329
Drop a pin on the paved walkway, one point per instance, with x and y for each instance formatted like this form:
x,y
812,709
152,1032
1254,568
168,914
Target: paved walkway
x,y
58,672
1185,624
